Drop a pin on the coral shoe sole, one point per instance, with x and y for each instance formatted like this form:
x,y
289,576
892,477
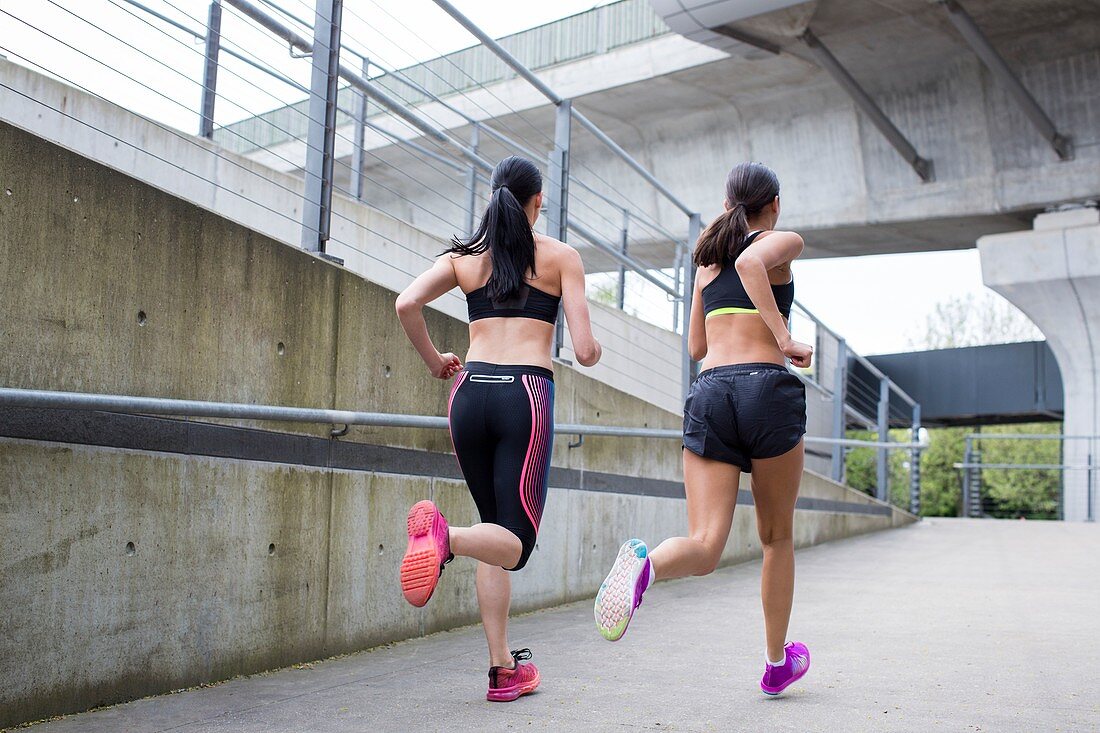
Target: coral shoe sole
x,y
428,549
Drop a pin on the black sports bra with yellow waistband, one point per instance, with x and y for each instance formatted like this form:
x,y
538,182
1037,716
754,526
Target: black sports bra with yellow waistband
x,y
726,294
529,303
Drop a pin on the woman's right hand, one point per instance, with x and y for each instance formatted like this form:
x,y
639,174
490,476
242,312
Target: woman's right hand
x,y
800,354
448,366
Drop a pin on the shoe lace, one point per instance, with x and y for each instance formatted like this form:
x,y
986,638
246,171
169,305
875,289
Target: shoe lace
x,y
521,655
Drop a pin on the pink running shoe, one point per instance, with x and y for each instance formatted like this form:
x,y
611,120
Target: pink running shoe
x,y
621,592
429,549
779,677
507,684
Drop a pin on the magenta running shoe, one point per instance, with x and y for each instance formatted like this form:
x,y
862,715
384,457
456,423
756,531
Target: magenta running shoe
x,y
621,592
507,684
781,676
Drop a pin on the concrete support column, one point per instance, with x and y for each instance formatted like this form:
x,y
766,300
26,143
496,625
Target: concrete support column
x,y
1052,274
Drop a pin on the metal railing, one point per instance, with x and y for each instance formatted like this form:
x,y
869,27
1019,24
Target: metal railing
x,y
130,405
976,498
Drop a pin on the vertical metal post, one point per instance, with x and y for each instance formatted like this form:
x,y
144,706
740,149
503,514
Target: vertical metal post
x,y
557,194
914,463
210,71
623,239
687,291
358,178
677,274
1090,515
1062,479
975,507
968,458
316,210
883,457
840,394
557,203
471,183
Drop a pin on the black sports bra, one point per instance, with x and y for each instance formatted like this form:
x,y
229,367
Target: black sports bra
x,y
726,294
530,303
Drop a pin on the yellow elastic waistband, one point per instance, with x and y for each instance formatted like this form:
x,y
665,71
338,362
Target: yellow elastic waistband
x,y
731,310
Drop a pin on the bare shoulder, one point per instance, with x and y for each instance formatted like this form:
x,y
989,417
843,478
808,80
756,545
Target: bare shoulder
x,y
706,273
782,237
559,253
549,245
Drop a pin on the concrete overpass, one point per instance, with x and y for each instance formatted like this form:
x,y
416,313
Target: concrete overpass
x,y
688,111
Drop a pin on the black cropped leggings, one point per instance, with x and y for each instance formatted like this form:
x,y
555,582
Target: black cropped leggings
x,y
502,427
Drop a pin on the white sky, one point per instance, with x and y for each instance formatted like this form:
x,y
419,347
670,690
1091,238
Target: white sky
x,y
874,301
877,302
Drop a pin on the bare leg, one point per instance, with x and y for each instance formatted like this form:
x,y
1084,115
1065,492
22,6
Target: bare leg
x,y
775,489
489,543
494,595
711,488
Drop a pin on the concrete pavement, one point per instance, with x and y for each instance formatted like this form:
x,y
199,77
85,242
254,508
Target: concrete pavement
x,y
951,625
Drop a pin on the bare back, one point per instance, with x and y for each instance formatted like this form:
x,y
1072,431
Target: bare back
x,y
514,340
742,337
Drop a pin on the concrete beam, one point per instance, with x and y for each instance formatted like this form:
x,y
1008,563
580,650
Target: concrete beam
x,y
969,30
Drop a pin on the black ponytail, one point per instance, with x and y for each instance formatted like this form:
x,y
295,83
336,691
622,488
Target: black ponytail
x,y
505,232
749,188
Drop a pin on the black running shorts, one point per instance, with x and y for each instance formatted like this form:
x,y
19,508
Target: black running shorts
x,y
739,412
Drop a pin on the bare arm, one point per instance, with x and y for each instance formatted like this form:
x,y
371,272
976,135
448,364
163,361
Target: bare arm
x,y
697,326
778,248
585,345
430,285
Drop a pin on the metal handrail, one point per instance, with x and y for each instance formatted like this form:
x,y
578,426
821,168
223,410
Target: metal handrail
x,y
876,372
1026,436
531,78
201,36
615,253
1034,466
126,404
354,78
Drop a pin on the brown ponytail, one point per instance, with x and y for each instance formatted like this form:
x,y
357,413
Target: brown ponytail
x,y
749,188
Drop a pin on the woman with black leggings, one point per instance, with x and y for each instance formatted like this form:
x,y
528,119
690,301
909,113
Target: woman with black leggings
x,y
501,407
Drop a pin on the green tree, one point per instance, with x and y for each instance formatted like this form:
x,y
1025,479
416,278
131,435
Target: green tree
x,y
941,482
861,466
1022,492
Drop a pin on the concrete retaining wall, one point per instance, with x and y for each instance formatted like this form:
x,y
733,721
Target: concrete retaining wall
x,y
126,572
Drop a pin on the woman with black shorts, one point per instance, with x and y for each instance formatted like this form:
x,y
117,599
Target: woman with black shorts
x,y
501,407
745,412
